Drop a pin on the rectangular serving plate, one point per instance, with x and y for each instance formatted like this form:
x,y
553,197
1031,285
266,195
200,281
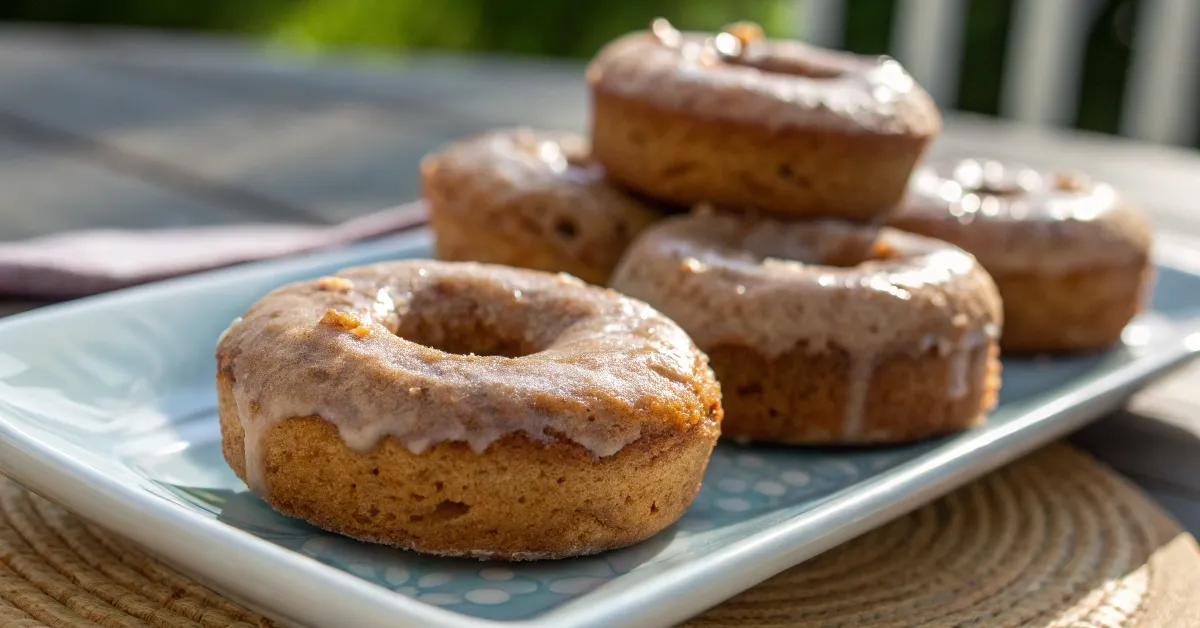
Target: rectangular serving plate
x,y
107,406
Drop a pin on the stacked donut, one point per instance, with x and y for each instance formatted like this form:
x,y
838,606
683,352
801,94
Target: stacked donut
x,y
752,205
841,297
822,327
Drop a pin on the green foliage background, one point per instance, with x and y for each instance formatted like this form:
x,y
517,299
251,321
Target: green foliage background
x,y
576,28
544,27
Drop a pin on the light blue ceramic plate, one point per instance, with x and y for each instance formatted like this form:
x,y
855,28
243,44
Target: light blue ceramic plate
x,y
107,405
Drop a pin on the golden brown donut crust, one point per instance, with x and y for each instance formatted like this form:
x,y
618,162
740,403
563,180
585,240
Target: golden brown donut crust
x,y
685,159
531,199
557,418
524,500
751,123
1078,311
800,398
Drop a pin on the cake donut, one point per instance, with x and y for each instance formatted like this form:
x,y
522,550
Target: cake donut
x,y
532,199
466,409
1070,257
826,332
752,123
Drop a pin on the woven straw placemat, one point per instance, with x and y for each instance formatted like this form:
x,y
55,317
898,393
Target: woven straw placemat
x,y
1052,540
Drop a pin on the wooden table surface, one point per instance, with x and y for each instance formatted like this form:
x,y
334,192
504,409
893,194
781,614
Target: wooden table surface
x,y
103,128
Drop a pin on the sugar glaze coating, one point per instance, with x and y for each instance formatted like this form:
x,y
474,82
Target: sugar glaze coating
x,y
739,76
529,184
592,367
773,286
1017,219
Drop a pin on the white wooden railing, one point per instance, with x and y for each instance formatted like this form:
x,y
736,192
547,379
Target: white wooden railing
x,y
1045,50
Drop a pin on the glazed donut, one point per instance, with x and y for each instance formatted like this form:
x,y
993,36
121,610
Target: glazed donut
x,y
826,332
467,409
531,199
1070,257
752,123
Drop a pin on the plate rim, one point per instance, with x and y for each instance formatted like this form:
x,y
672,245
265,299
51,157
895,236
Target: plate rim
x,y
117,505
329,595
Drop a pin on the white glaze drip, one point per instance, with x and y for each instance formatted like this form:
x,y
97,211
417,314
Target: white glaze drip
x,y
957,369
964,360
862,372
602,369
979,373
253,431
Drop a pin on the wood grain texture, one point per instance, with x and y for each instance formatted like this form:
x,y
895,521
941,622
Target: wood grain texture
x,y
46,190
324,145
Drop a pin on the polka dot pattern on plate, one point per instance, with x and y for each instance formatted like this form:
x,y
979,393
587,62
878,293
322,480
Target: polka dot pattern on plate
x,y
740,483
487,596
435,579
395,575
732,485
795,478
733,504
361,570
770,488
750,461
496,573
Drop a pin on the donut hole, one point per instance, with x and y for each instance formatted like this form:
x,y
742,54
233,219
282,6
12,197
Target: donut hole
x,y
993,178
835,248
810,64
998,189
481,320
855,252
466,338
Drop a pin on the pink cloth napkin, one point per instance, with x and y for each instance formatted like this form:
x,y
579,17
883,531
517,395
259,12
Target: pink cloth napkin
x,y
89,262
